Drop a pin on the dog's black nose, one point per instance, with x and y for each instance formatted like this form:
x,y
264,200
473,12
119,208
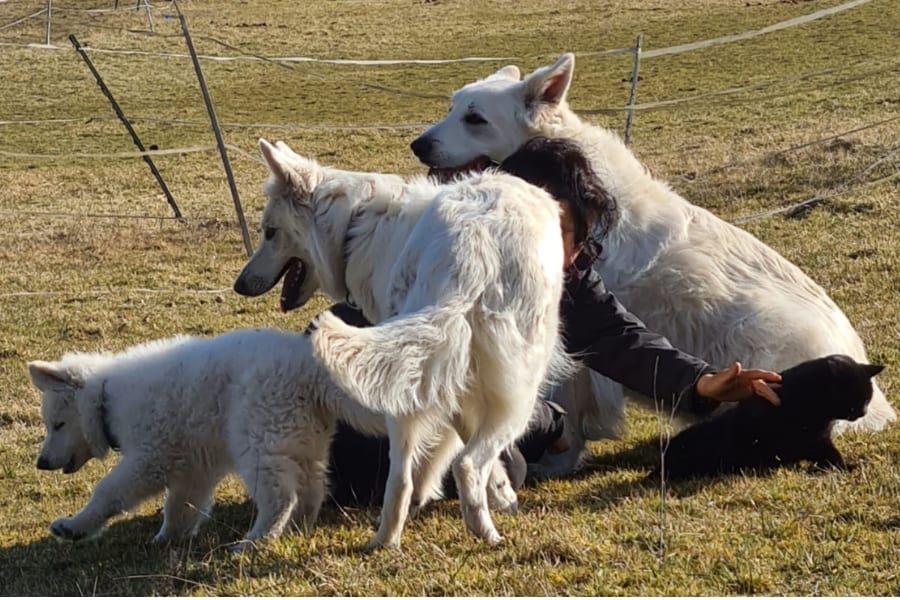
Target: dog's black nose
x,y
43,464
421,147
240,286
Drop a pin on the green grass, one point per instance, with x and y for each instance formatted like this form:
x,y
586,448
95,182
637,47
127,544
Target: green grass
x,y
603,531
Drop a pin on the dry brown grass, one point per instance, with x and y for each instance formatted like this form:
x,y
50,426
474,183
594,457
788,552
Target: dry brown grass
x,y
794,532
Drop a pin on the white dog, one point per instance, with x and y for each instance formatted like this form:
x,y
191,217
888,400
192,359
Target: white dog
x,y
714,290
184,412
463,282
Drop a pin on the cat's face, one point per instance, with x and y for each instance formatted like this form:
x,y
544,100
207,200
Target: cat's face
x,y
833,387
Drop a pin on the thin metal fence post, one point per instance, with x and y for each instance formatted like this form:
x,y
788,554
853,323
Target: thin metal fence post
x,y
49,17
149,16
220,142
127,124
634,81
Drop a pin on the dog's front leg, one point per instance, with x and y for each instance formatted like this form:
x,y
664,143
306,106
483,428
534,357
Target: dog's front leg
x,y
404,435
127,485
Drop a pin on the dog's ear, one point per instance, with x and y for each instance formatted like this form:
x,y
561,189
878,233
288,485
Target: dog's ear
x,y
508,72
288,167
274,159
872,370
47,376
549,85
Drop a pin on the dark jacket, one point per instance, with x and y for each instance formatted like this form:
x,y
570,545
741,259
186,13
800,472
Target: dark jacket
x,y
615,343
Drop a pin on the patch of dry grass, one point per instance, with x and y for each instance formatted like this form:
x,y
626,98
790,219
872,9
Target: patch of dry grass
x,y
598,533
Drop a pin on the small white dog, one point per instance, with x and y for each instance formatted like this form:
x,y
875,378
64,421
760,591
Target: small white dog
x,y
463,282
711,288
184,412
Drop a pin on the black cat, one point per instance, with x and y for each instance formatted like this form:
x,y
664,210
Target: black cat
x,y
756,434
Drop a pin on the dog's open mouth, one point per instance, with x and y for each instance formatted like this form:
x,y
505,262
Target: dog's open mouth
x,y
71,466
448,174
294,276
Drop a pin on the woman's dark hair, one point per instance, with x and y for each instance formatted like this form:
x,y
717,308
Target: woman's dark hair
x,y
562,169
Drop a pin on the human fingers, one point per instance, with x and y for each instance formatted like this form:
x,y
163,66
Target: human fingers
x,y
762,389
767,376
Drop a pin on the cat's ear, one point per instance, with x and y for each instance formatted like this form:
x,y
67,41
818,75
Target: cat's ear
x,y
871,370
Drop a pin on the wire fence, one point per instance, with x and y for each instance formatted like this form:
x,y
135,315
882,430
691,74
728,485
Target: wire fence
x,y
745,93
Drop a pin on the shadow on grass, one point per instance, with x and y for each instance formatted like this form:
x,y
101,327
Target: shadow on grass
x,y
123,561
633,473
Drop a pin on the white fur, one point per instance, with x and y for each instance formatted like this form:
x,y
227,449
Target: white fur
x,y
713,289
463,282
186,412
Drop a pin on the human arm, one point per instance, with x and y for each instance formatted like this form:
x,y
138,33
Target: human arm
x,y
615,343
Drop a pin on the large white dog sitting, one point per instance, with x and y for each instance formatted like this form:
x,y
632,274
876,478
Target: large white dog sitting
x,y
184,412
714,290
463,282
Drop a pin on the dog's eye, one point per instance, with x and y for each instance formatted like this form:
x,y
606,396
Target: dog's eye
x,y
58,426
474,119
270,232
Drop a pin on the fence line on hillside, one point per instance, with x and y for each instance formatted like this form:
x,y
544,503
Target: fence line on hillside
x,y
884,64
647,54
798,209
223,124
119,216
111,291
130,154
23,19
254,157
768,155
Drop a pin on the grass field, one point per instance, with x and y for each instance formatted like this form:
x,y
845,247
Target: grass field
x,y
74,282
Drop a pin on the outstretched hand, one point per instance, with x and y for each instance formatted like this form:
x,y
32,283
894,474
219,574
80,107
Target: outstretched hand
x,y
735,383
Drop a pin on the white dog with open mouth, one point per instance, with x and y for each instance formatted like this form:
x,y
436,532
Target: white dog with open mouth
x,y
713,289
463,283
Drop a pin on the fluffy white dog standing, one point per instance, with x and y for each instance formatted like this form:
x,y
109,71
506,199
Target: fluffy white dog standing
x,y
463,282
184,412
713,289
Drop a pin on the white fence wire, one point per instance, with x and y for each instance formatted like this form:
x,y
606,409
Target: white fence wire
x,y
859,70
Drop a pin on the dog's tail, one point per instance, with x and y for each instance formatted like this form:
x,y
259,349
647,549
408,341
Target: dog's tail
x,y
403,365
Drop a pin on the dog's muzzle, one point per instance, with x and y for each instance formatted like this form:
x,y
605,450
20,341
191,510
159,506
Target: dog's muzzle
x,y
421,147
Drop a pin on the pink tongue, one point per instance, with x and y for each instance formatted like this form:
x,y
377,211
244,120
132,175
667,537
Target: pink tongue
x,y
293,283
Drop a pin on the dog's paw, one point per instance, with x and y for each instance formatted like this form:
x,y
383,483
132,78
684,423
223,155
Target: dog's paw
x,y
243,546
164,536
502,497
377,543
67,530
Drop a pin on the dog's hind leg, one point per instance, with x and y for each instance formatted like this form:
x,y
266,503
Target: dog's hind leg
x,y
405,437
500,493
271,481
127,485
188,502
428,475
472,470
310,492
